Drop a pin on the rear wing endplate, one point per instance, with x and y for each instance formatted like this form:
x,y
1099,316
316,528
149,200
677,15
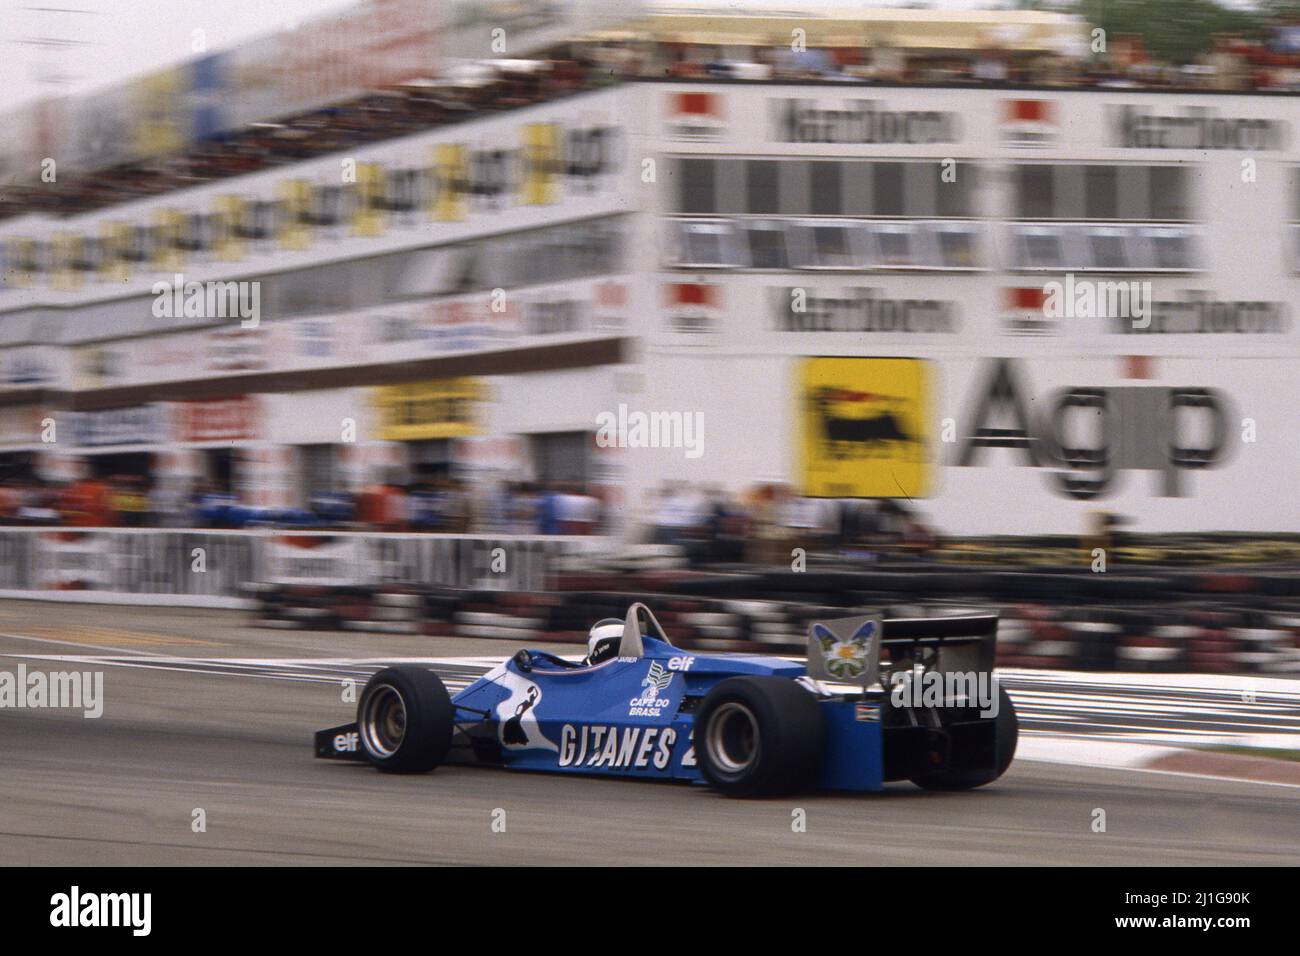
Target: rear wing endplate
x,y
847,650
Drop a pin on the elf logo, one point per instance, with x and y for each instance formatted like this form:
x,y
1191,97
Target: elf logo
x,y
1168,430
346,743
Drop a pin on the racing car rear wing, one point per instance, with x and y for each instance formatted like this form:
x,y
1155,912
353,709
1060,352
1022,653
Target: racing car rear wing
x,y
971,627
855,649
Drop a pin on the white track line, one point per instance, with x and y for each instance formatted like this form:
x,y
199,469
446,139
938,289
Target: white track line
x,y
51,640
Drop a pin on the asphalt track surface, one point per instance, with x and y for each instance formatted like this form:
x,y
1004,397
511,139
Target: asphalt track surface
x,y
234,739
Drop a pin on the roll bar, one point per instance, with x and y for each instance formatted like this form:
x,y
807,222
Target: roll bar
x,y
630,645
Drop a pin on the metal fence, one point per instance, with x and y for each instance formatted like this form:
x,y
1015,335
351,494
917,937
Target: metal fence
x,y
212,568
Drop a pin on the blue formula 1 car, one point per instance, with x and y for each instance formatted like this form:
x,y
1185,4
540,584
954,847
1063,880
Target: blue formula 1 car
x,y
879,700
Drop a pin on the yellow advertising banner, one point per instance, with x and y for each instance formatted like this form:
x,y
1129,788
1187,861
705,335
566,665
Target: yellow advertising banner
x,y
169,228
370,218
91,365
443,408
293,231
542,163
114,266
160,122
19,262
229,245
65,250
451,176
864,427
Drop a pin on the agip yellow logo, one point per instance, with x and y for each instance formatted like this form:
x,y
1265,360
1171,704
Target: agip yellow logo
x,y
864,427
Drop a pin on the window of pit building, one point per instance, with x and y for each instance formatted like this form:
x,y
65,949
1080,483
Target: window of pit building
x,y
829,245
24,326
737,186
592,247
575,250
696,184
808,214
1171,248
429,458
818,244
336,287
112,318
420,272
1095,192
318,470
561,456
1107,247
764,245
1121,247
907,244
702,243
957,244
1103,217
217,465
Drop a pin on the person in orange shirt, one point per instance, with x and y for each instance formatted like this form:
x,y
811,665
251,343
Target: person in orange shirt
x,y
84,504
11,500
99,511
393,507
367,511
383,506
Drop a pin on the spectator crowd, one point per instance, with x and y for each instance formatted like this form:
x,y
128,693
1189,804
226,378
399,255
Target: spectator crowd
x,y
427,504
768,522
1231,63
762,524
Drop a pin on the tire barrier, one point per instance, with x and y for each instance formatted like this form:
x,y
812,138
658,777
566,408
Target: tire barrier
x,y
1145,637
1222,549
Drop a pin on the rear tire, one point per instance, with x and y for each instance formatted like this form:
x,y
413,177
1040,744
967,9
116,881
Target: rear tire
x,y
759,736
405,720
1005,738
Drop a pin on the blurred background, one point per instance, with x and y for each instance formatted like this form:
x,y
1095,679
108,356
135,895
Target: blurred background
x,y
408,311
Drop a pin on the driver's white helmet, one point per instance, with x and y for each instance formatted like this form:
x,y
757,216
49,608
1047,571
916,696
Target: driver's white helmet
x,y
603,639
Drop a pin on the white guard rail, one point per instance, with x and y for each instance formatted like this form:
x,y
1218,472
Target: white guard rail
x,y
202,568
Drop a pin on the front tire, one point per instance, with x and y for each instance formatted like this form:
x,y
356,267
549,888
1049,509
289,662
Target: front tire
x,y
1006,735
759,736
404,720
